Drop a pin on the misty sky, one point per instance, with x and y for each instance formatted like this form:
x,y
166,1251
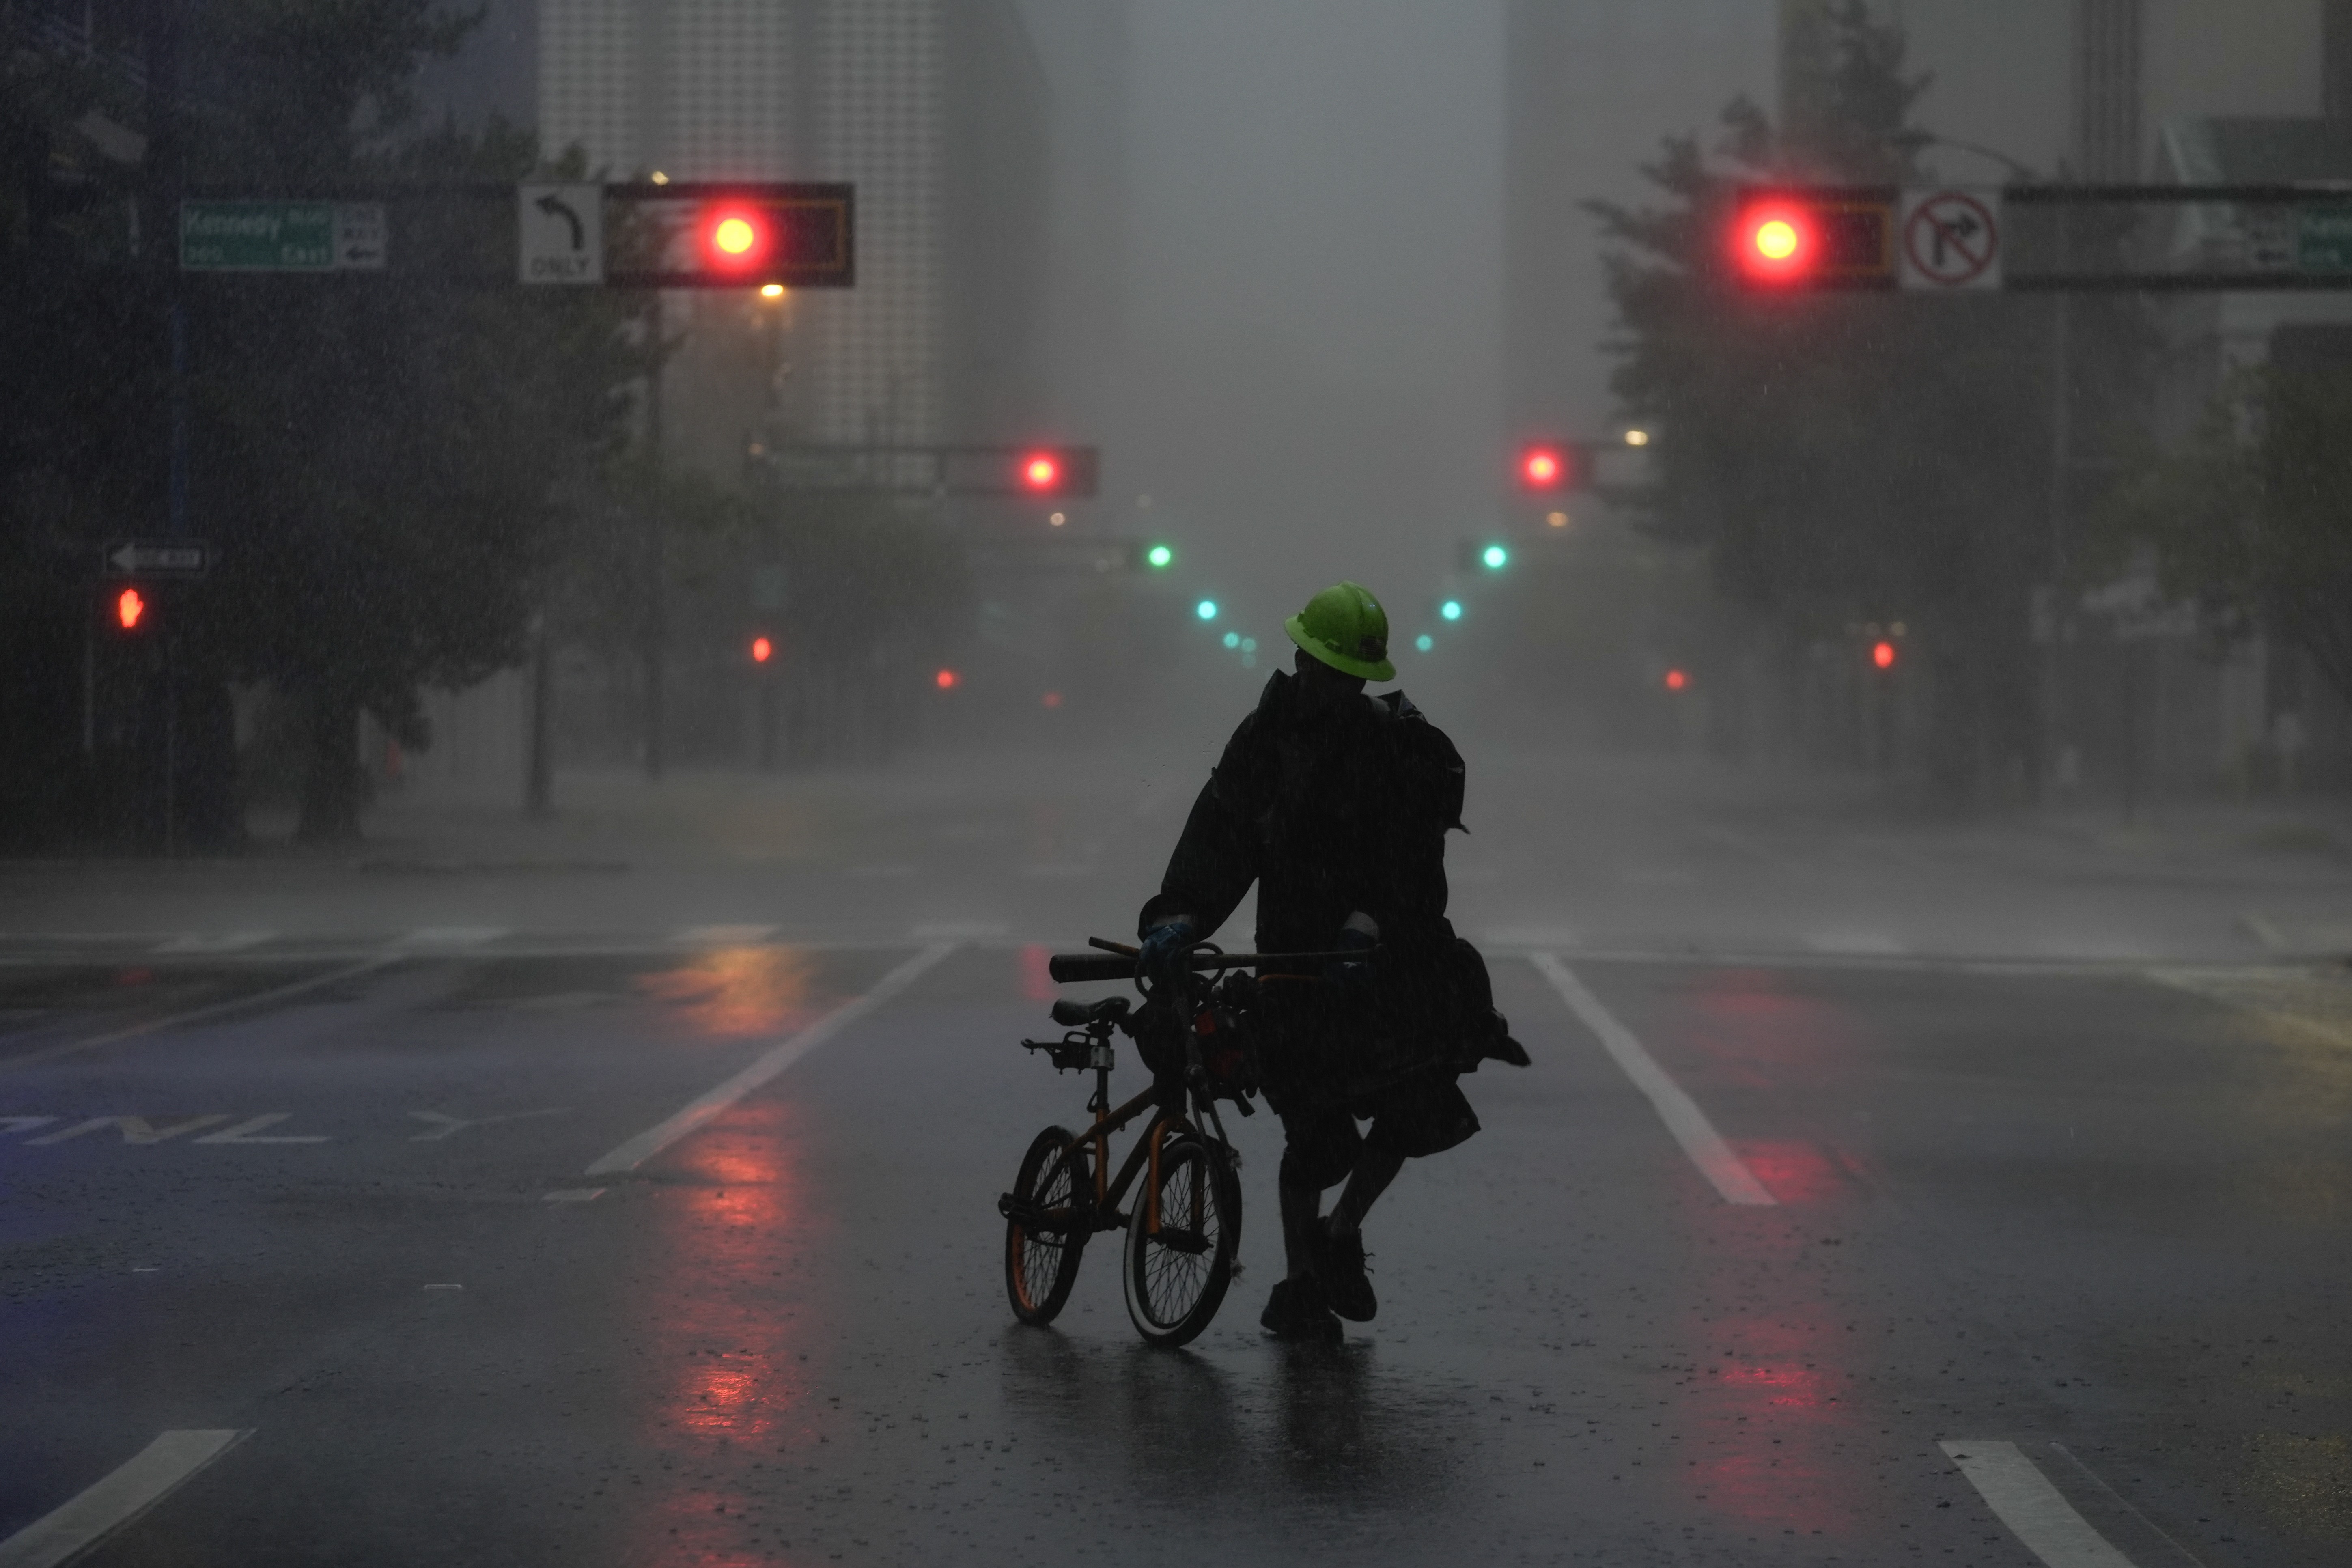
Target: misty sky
x,y
1315,256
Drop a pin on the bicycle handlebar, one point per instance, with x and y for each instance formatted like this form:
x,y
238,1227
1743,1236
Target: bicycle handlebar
x,y
1069,968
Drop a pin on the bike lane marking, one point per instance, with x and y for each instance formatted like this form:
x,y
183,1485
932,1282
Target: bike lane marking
x,y
1678,1110
200,1014
2021,1498
703,1108
141,1482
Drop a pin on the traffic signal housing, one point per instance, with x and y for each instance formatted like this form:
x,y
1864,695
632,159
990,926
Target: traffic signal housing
x,y
1825,237
748,234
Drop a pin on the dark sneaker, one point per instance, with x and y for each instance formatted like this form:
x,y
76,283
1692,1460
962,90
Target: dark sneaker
x,y
1294,1310
1340,1269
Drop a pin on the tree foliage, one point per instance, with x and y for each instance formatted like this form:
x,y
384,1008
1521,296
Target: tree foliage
x,y
1852,458
2250,517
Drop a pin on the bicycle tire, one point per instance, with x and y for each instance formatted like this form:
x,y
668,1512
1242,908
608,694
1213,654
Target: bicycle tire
x,y
1175,1278
1041,1262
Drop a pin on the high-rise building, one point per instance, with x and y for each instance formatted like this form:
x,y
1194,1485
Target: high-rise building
x,y
2107,90
936,110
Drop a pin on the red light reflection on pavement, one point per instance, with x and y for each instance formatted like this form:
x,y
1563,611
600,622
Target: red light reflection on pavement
x,y
729,992
1794,1173
1036,979
721,1334
1780,1447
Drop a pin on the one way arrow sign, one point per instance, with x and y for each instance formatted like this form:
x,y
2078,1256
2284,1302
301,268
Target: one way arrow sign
x,y
158,558
561,230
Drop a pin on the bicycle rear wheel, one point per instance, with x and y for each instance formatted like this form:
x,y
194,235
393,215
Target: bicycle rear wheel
x,y
1048,1215
1176,1270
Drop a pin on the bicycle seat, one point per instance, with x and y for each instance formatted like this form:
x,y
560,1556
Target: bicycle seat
x,y
1080,1015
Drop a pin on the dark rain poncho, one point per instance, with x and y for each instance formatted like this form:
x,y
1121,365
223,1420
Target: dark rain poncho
x,y
1331,812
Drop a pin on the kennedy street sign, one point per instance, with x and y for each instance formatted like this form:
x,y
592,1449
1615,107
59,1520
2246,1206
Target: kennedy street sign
x,y
158,557
281,237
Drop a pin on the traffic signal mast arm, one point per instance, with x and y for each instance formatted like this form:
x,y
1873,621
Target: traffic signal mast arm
x,y
1796,238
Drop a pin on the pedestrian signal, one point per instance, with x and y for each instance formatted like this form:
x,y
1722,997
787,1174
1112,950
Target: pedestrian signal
x,y
129,608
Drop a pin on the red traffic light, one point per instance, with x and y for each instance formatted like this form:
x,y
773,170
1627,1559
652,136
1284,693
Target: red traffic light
x,y
1777,242
947,680
737,238
1041,471
762,650
1800,239
1545,468
1676,681
1882,655
129,608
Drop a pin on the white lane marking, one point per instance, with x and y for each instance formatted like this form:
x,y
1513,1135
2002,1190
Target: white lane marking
x,y
1533,936
199,1014
217,941
572,1195
2262,930
11,1124
1856,943
956,930
451,936
629,1155
242,1132
139,1484
1681,1113
724,936
135,1128
444,1287
2023,1499
446,1127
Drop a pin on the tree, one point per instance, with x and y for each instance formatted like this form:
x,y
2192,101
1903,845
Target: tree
x,y
378,460
1846,458
2250,517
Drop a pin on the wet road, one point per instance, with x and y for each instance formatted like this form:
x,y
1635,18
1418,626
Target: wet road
x,y
503,1194
2054,1260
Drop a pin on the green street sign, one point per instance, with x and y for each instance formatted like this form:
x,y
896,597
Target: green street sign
x,y
258,237
2322,239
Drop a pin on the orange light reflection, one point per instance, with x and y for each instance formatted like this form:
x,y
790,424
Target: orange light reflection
x,y
728,992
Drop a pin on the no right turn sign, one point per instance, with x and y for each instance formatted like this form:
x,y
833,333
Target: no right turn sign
x,y
1947,238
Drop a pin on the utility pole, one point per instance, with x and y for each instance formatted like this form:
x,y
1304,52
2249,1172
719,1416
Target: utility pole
x,y
657,614
166,176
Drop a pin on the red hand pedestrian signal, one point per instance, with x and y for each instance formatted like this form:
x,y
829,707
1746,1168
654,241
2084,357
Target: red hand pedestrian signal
x,y
130,608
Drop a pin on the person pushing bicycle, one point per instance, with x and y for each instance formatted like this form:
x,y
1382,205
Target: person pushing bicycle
x,y
1337,805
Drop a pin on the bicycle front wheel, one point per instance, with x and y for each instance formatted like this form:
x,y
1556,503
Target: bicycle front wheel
x,y
1048,1215
1180,1251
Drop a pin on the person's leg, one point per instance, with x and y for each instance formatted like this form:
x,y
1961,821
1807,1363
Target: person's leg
x,y
1377,1164
1302,1207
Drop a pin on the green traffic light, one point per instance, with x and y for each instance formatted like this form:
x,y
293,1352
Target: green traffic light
x,y
1495,558
1206,609
1424,642
1159,555
1451,609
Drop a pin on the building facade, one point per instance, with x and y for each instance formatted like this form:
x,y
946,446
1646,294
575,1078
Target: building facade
x,y
937,110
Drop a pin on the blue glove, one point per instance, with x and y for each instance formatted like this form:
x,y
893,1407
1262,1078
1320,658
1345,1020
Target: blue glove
x,y
1164,942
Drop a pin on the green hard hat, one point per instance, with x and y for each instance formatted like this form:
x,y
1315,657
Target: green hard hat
x,y
1345,627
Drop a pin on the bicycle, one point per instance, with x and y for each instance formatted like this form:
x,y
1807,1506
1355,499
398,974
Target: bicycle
x,y
1184,1227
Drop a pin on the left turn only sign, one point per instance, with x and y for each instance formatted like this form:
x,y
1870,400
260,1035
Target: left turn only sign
x,y
562,230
